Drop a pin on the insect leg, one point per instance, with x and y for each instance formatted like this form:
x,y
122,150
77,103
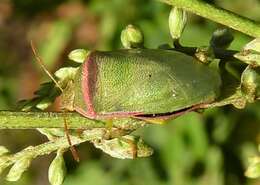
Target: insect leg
x,y
72,148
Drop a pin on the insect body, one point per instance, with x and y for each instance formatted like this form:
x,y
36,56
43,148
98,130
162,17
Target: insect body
x,y
140,83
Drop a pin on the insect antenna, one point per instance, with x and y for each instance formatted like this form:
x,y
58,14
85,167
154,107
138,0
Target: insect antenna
x,y
40,62
66,130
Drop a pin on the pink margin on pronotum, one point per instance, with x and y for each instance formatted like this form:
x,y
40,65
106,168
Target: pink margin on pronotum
x,y
88,84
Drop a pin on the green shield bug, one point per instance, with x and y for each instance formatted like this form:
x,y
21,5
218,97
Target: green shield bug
x,y
149,84
142,83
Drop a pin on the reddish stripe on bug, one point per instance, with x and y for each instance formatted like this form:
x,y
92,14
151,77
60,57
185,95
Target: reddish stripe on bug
x,y
88,84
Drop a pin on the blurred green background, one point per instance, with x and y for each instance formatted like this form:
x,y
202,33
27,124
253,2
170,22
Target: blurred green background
x,y
195,149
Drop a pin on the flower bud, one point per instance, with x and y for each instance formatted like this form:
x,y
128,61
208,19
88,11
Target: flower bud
x,y
177,22
18,169
78,55
249,83
132,37
3,151
57,169
66,72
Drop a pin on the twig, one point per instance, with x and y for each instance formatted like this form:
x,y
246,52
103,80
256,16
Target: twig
x,y
218,15
51,146
32,120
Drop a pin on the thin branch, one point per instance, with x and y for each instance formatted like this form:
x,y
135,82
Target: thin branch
x,y
51,146
218,15
32,120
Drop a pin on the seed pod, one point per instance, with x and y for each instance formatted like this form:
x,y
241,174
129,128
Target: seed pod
x,y
132,37
177,22
18,168
57,169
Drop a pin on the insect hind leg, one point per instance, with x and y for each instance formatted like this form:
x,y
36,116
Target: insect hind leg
x,y
72,148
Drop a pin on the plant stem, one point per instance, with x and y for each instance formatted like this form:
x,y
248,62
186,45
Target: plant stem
x,y
32,120
48,147
218,15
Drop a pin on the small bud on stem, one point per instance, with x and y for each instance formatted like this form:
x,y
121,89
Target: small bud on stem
x,y
177,22
132,37
249,83
78,55
57,169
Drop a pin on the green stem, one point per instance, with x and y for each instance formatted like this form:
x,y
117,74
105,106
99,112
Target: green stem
x,y
218,15
51,146
32,120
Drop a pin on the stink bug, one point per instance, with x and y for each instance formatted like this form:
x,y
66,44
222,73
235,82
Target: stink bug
x,y
141,83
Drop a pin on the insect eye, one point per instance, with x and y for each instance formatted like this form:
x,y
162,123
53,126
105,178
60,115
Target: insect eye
x,y
150,75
